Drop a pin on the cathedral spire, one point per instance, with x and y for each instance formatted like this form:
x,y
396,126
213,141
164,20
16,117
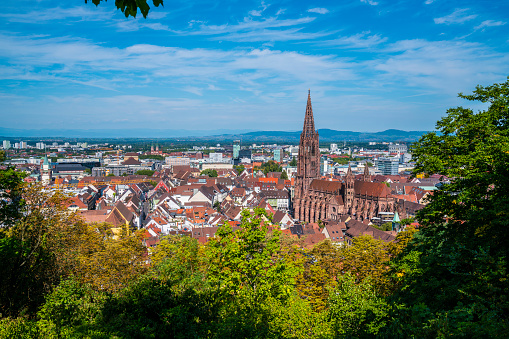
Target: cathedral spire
x,y
349,171
366,176
309,121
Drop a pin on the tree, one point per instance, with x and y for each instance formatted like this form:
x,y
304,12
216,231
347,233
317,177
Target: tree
x,y
384,227
321,268
145,172
11,188
284,176
455,269
293,163
239,168
130,7
367,257
355,308
212,173
271,166
245,263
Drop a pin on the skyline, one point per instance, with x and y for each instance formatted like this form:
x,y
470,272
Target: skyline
x,y
370,65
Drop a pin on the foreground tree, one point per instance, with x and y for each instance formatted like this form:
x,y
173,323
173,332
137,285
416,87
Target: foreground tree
x,y
131,7
453,278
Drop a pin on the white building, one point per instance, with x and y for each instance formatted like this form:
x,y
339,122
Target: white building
x,y
177,161
215,157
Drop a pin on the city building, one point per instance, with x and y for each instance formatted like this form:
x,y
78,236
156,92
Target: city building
x,y
236,149
216,157
6,144
278,156
46,171
177,161
317,199
388,166
398,148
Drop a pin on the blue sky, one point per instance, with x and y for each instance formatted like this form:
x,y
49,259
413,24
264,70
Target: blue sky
x,y
371,65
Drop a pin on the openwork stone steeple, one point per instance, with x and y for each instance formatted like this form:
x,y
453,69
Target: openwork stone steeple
x,y
309,122
308,165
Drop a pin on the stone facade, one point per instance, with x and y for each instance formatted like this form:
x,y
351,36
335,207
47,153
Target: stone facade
x,y
317,199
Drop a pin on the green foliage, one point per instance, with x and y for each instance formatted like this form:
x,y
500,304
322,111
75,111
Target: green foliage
x,y
70,310
284,176
11,200
343,160
454,272
212,173
145,172
293,163
244,263
150,156
367,258
384,227
355,309
239,168
130,7
271,166
111,175
19,328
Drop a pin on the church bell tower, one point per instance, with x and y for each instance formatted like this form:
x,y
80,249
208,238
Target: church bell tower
x,y
308,164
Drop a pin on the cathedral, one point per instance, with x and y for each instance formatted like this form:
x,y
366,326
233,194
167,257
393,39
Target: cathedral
x,y
319,199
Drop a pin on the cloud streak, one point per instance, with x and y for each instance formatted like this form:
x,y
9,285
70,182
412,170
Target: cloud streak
x,y
459,16
318,10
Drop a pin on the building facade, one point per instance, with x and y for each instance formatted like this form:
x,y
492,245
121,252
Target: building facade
x,y
318,199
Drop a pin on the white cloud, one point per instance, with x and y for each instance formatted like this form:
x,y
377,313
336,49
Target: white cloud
x,y
370,2
489,23
318,10
459,16
80,13
268,29
429,2
83,62
280,11
447,66
361,40
255,13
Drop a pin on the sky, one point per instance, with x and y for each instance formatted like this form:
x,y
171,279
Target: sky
x,y
371,65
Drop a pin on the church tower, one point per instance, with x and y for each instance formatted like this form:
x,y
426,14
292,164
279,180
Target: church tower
x,y
46,171
349,181
308,163
366,176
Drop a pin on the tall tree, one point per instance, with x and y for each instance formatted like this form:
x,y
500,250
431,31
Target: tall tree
x,y
456,268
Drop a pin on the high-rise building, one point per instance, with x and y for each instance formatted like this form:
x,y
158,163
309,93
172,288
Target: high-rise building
x,y
7,144
236,149
23,144
388,166
278,155
40,145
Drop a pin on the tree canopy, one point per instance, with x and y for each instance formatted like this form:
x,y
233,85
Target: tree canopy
x,y
131,7
210,172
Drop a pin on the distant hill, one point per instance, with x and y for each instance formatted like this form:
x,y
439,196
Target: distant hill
x,y
326,135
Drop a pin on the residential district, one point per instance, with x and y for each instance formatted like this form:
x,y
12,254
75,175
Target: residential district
x,y
315,193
